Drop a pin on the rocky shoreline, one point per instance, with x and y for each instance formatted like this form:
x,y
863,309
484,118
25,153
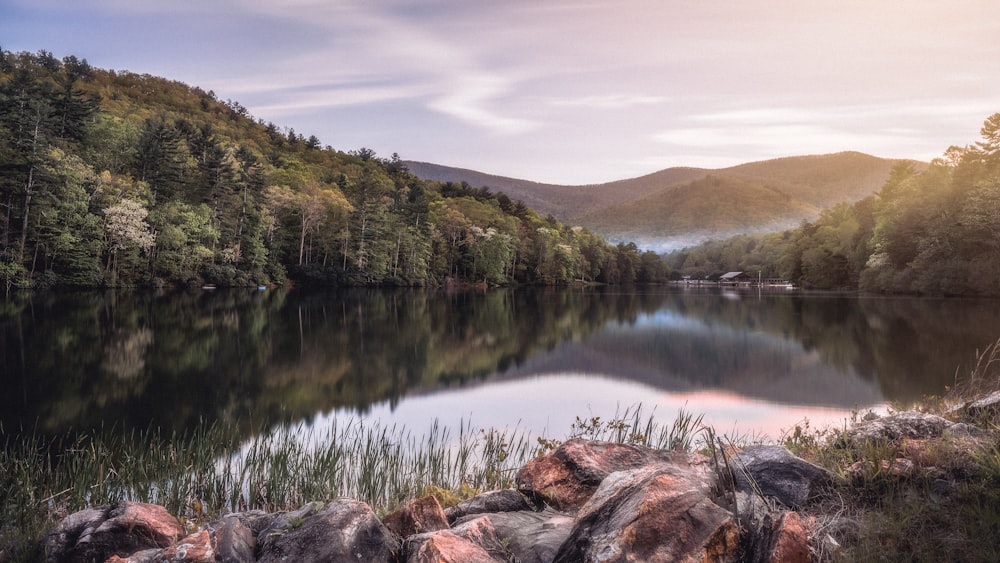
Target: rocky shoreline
x,y
584,501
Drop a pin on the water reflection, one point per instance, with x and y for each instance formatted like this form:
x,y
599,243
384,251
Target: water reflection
x,y
175,360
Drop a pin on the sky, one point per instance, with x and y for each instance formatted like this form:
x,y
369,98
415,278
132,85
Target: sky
x,y
562,91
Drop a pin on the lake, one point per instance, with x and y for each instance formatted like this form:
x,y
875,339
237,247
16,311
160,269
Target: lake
x,y
751,362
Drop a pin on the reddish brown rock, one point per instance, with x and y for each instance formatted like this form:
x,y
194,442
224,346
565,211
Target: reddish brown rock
x,y
475,540
100,533
791,539
567,477
196,548
226,541
655,515
420,516
446,547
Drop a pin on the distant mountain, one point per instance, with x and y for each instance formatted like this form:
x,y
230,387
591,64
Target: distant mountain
x,y
680,206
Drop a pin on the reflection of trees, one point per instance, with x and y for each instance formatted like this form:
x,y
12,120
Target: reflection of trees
x,y
181,359
125,354
88,359
909,346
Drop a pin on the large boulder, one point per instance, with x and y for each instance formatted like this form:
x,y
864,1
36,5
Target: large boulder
x,y
776,472
565,478
97,534
654,514
345,530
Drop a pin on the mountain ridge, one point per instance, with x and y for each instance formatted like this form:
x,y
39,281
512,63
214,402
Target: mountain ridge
x,y
668,208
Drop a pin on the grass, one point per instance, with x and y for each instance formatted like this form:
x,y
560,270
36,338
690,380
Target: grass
x,y
943,505
211,470
934,499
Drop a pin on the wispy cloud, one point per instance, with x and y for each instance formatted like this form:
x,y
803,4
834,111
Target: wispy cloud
x,y
428,68
608,101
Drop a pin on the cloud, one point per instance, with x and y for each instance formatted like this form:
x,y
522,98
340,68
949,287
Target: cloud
x,y
608,101
441,73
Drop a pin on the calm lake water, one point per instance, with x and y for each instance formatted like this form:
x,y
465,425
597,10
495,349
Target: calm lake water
x,y
534,359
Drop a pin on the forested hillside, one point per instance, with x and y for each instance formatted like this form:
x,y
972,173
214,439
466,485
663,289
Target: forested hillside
x,y
929,230
675,206
115,178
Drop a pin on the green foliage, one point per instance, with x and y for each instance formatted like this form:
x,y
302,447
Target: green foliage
x,y
930,231
115,178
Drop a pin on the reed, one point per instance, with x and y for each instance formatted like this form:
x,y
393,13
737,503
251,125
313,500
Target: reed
x,y
213,470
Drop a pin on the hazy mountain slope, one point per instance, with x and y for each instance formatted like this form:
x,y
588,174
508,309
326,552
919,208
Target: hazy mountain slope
x,y
677,206
713,205
820,180
564,202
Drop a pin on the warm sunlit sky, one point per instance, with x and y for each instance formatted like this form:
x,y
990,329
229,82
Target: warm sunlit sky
x,y
563,91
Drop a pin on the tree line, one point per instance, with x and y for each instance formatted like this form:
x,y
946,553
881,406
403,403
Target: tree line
x,y
933,231
112,178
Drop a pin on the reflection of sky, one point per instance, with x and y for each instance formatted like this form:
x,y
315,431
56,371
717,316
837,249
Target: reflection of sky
x,y
548,405
663,319
774,384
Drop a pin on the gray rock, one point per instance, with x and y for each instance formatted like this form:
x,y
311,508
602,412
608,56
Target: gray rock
x,y
60,542
345,530
234,541
894,427
97,534
980,409
506,500
776,472
531,537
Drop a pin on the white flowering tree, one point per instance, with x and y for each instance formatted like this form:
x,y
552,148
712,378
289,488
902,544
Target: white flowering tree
x,y
126,230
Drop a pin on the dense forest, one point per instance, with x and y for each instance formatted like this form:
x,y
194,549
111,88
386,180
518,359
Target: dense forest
x,y
934,231
111,178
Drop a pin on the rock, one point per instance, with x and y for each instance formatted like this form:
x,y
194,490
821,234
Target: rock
x,y
256,520
531,537
97,534
224,541
963,429
790,540
909,424
421,515
506,500
982,409
652,514
345,530
195,548
235,542
568,476
777,473
446,547
475,540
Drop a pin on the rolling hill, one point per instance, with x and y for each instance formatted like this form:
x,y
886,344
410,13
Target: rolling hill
x,y
680,206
